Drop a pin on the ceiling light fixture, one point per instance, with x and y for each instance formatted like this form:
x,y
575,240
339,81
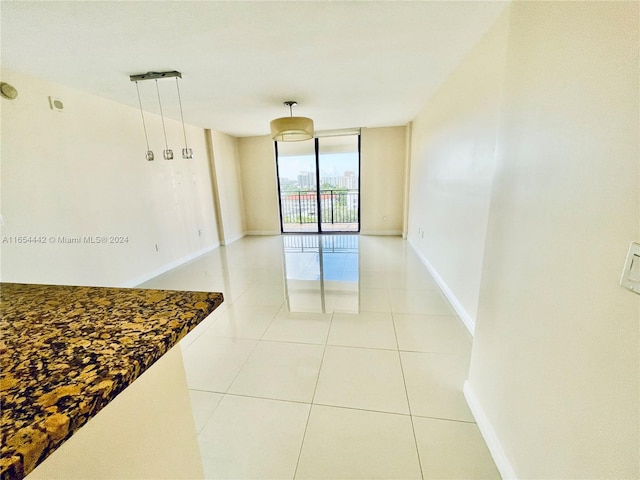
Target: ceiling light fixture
x,y
291,129
186,151
149,154
167,153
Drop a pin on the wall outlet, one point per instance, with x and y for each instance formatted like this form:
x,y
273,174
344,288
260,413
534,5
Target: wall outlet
x,y
157,248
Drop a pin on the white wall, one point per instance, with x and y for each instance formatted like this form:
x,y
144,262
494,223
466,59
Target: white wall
x,y
82,172
259,185
452,166
225,166
534,159
147,431
555,363
382,169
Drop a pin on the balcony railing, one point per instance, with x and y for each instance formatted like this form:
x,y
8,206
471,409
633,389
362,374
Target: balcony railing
x,y
336,206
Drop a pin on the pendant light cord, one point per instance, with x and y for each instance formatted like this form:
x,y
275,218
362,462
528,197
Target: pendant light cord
x,y
164,130
184,132
144,126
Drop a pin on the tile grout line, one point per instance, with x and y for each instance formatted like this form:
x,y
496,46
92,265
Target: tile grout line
x,y
404,380
225,393
248,356
313,397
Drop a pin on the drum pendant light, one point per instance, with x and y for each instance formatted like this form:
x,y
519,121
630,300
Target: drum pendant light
x,y
291,129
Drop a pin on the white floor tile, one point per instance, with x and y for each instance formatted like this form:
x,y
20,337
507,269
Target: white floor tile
x,y
362,378
299,327
373,279
453,450
371,303
418,301
374,300
250,438
343,301
343,443
211,363
309,302
432,333
262,295
203,404
434,385
413,277
366,329
284,371
241,321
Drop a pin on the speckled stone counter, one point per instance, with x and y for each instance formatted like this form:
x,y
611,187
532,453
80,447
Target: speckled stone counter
x,y
66,352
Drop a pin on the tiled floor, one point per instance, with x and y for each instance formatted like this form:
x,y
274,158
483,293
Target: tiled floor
x,y
332,357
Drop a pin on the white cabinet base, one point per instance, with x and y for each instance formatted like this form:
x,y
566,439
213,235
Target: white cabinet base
x,y
145,432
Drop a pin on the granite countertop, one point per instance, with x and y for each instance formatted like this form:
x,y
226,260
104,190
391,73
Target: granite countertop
x,y
66,352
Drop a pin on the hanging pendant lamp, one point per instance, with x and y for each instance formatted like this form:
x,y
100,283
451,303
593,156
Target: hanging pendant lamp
x,y
291,129
148,154
167,153
186,151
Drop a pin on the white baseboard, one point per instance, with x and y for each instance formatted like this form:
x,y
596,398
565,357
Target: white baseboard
x,y
233,239
457,306
165,268
488,433
393,233
262,232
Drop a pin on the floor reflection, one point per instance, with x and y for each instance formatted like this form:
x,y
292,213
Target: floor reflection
x,y
321,273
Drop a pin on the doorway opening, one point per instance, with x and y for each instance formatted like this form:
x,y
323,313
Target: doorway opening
x,y
319,184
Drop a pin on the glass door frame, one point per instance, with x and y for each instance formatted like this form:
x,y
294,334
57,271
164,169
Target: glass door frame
x,y
318,193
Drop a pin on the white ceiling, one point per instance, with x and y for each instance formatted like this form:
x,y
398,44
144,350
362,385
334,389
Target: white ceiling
x,y
348,64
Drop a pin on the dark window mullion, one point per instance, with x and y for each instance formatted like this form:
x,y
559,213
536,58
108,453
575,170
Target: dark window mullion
x,y
317,146
359,177
279,190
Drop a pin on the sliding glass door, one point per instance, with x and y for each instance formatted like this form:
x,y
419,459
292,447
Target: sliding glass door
x,y
319,184
339,167
298,186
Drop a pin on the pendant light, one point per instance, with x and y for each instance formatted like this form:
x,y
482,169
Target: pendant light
x,y
291,129
186,151
149,154
167,153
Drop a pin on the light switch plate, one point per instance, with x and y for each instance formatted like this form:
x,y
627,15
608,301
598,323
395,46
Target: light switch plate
x,y
631,272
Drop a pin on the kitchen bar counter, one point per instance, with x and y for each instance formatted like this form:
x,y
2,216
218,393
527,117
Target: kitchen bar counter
x,y
66,352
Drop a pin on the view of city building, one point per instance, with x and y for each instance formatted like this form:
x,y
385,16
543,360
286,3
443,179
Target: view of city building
x,y
320,194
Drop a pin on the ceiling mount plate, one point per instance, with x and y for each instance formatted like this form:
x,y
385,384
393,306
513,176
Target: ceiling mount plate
x,y
154,75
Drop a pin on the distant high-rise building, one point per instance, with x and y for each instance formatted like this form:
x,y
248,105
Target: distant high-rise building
x,y
307,180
